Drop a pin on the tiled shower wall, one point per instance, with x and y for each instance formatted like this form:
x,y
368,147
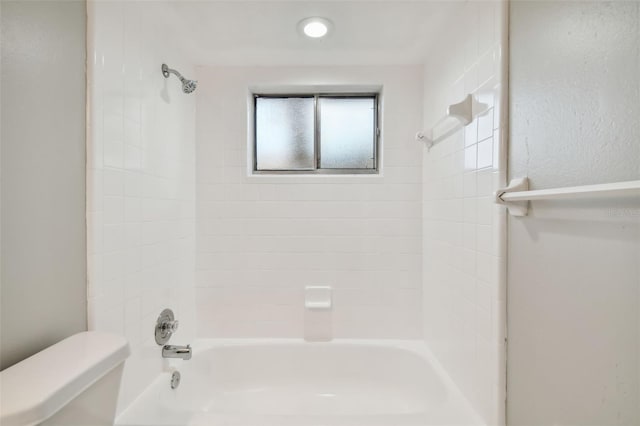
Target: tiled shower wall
x,y
140,183
262,239
464,249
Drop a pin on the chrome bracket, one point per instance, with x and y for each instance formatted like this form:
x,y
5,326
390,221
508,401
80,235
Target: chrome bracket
x,y
165,71
515,208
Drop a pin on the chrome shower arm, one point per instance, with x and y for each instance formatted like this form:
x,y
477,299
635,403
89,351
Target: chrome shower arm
x,y
188,86
166,71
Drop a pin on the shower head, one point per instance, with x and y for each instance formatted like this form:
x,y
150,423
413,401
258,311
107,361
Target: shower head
x,y
188,86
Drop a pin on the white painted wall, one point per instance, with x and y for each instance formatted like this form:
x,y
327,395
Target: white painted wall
x,y
574,267
463,231
261,240
43,192
140,182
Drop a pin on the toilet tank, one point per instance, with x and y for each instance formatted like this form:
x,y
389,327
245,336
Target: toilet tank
x,y
74,382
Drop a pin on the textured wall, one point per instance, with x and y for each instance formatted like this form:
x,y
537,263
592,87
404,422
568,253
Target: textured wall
x,y
43,175
574,267
140,184
463,240
262,239
575,92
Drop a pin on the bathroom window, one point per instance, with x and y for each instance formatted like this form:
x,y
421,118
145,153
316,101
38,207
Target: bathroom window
x,y
316,133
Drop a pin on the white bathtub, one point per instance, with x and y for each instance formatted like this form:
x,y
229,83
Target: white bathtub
x,y
293,383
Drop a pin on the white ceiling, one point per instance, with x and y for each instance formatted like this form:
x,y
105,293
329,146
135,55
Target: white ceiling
x,y
265,32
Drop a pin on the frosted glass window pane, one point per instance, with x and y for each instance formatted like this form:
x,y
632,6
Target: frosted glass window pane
x,y
347,133
284,133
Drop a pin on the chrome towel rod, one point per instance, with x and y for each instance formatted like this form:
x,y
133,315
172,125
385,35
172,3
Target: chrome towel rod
x,y
516,196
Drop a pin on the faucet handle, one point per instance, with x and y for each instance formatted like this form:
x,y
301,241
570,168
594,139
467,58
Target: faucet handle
x,y
170,326
166,325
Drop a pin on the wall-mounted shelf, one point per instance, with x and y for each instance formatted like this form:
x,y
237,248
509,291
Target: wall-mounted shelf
x,y
458,115
318,298
516,196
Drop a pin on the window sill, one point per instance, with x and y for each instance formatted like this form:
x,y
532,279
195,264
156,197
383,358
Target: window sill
x,y
346,177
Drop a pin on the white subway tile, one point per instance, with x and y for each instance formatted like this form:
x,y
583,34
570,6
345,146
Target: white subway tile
x,y
485,153
469,182
485,125
132,157
470,236
113,210
471,157
471,133
485,183
113,237
485,208
114,154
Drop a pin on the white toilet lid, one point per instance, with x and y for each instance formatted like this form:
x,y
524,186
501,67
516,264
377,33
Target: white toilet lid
x,y
36,388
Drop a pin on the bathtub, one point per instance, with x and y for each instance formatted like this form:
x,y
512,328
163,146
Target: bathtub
x,y
295,383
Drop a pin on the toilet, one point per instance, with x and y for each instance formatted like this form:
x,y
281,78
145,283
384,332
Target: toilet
x,y
72,383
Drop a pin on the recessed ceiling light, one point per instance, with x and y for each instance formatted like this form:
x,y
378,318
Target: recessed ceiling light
x,y
315,27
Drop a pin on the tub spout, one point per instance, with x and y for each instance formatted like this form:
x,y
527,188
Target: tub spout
x,y
174,351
